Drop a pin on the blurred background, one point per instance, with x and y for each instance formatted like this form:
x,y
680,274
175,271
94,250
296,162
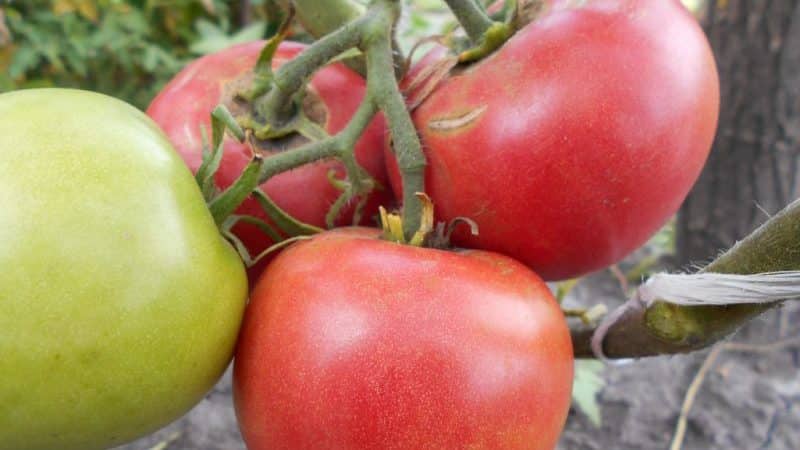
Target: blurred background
x,y
730,397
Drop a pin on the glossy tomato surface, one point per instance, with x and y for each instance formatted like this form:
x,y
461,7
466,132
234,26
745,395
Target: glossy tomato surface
x,y
187,101
573,143
119,301
351,342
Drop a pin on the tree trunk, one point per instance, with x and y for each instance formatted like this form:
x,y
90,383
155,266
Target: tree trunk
x,y
752,170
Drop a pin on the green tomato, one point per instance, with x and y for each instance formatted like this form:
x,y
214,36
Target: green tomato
x,y
119,301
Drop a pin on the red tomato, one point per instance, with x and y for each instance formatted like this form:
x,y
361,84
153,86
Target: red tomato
x,y
186,103
579,138
351,342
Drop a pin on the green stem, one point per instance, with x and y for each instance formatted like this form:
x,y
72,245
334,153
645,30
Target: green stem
x,y
472,17
282,219
294,158
773,247
320,18
359,181
358,123
278,107
326,148
226,203
373,33
665,328
323,17
382,86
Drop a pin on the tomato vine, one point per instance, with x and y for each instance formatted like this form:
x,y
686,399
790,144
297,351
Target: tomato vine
x,y
660,328
276,111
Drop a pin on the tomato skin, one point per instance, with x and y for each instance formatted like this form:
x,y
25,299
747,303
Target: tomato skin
x,y
357,343
119,301
578,139
186,103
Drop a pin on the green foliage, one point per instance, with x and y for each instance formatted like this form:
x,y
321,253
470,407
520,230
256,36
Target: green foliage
x,y
127,49
588,383
214,38
130,48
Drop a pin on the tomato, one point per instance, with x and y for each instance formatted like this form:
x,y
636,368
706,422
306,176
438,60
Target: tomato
x,y
186,103
358,343
576,140
119,301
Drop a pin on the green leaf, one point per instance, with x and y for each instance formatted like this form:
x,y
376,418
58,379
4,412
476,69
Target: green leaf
x,y
588,384
125,48
25,58
213,38
151,58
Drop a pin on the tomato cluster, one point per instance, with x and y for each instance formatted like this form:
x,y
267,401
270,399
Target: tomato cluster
x,y
120,303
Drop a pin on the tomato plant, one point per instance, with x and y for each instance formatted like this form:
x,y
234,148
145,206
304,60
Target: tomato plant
x,y
354,342
575,141
568,140
119,301
334,93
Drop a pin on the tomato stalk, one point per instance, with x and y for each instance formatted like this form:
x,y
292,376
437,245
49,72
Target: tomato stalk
x,y
472,18
321,18
372,34
382,86
486,34
226,203
280,105
340,145
262,73
222,205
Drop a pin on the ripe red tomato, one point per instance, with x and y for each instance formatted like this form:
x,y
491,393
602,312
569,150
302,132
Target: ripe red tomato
x,y
579,138
186,103
354,342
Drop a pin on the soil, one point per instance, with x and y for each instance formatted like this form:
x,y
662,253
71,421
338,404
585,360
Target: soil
x,y
748,401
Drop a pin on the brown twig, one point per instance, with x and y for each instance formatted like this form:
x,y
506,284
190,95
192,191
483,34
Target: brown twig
x,y
708,363
763,348
691,394
244,12
169,440
621,278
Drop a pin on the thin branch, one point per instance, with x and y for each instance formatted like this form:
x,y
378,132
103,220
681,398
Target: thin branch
x,y
169,440
621,278
321,18
372,33
472,17
382,86
708,363
244,12
763,348
277,106
291,159
691,394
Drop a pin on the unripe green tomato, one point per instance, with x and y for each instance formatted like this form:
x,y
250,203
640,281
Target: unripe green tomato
x,y
119,301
